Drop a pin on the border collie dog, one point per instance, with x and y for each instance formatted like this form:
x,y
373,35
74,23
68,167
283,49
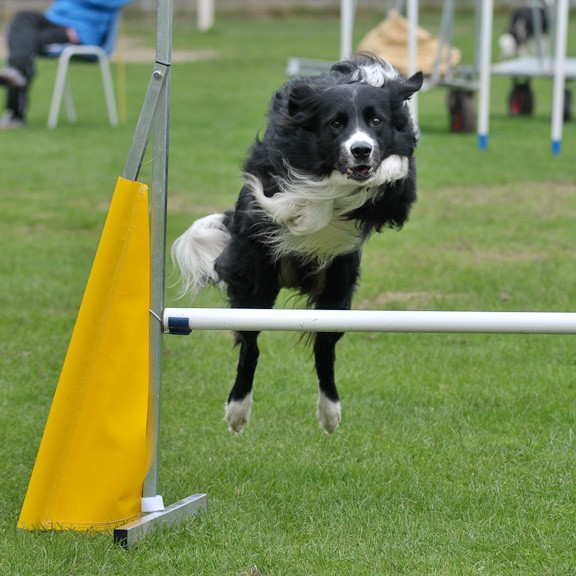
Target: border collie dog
x,y
524,32
335,164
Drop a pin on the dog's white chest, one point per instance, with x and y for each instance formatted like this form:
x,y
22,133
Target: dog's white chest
x,y
335,238
310,217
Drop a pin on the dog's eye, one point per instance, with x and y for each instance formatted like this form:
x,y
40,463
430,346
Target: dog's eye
x,y
376,121
336,124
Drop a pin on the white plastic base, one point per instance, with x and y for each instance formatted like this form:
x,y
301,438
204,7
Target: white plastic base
x,y
152,504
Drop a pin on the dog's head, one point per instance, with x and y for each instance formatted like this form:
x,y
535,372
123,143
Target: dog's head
x,y
348,122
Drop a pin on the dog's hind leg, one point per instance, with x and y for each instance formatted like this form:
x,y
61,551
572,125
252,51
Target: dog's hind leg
x,y
339,285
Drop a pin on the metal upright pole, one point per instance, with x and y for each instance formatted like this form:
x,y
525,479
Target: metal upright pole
x,y
485,63
151,500
155,116
562,12
412,12
347,11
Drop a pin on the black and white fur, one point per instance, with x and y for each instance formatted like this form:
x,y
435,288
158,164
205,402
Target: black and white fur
x,y
335,164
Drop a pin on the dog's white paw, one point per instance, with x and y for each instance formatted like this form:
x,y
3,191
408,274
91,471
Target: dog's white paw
x,y
329,413
238,413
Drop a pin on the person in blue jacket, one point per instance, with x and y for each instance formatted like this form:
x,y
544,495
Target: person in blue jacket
x,y
65,21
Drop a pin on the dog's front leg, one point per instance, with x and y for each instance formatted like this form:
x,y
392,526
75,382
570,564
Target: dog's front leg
x,y
239,402
251,282
339,285
329,411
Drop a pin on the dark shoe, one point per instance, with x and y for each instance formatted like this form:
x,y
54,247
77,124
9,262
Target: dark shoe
x,y
12,77
11,122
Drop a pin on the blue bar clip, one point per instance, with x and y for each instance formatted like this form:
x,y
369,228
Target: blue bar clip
x,y
178,326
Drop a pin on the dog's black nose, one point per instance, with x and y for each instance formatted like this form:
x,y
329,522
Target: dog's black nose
x,y
361,150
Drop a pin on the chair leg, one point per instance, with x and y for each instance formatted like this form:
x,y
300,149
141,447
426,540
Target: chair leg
x,y
108,90
62,89
69,103
58,93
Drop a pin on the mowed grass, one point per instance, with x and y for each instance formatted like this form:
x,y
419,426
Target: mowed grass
x,y
456,452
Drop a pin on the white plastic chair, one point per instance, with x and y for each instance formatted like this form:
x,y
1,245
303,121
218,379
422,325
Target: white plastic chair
x,y
99,54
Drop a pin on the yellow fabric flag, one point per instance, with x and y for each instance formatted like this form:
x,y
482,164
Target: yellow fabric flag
x,y
93,459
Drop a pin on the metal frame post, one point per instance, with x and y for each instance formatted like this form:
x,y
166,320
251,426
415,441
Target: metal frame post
x,y
562,12
347,13
412,13
485,62
155,116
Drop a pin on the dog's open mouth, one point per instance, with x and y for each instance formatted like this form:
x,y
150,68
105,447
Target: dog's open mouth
x,y
359,173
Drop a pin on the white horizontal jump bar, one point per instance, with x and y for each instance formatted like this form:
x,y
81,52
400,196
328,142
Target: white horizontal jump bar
x,y
184,320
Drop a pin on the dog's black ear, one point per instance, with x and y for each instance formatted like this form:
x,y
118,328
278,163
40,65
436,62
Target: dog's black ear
x,y
345,67
411,85
299,98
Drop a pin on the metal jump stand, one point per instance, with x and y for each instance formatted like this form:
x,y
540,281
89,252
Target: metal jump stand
x,y
154,116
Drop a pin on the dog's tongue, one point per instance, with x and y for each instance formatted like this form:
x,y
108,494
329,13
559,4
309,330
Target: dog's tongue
x,y
359,171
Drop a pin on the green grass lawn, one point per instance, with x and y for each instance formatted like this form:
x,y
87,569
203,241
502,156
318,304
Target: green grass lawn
x,y
456,452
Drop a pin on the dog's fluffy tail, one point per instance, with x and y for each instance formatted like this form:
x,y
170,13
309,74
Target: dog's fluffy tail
x,y
195,252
